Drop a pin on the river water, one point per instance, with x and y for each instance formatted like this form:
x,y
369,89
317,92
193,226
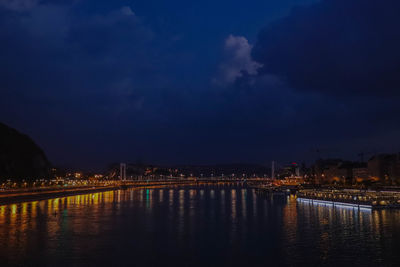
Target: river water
x,y
216,225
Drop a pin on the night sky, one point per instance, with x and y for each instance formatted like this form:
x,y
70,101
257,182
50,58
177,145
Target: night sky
x,y
184,82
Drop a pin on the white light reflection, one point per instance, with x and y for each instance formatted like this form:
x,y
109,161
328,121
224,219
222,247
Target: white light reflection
x,y
335,204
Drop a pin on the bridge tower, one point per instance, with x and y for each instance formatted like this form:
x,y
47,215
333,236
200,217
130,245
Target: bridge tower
x,y
273,170
122,171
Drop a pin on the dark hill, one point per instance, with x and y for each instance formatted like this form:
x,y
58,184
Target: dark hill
x,y
20,157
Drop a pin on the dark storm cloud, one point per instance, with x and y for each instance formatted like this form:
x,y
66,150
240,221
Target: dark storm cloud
x,y
67,74
99,81
336,46
333,65
53,52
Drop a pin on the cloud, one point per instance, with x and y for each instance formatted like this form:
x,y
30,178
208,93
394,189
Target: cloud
x,y
126,10
18,5
80,69
56,54
237,60
336,47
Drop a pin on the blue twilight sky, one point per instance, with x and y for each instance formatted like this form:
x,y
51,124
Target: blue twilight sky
x,y
183,82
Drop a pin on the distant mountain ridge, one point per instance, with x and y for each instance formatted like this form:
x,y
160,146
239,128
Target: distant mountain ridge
x,y
20,157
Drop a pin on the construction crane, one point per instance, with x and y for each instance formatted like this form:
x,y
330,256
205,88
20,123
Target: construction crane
x,y
363,154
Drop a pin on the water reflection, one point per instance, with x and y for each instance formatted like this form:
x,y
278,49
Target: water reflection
x,y
333,229
164,223
233,203
244,204
171,197
254,196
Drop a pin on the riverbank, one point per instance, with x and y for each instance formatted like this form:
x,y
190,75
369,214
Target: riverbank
x,y
48,194
33,194
18,196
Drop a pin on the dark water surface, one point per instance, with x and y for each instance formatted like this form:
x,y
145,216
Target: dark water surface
x,y
194,226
